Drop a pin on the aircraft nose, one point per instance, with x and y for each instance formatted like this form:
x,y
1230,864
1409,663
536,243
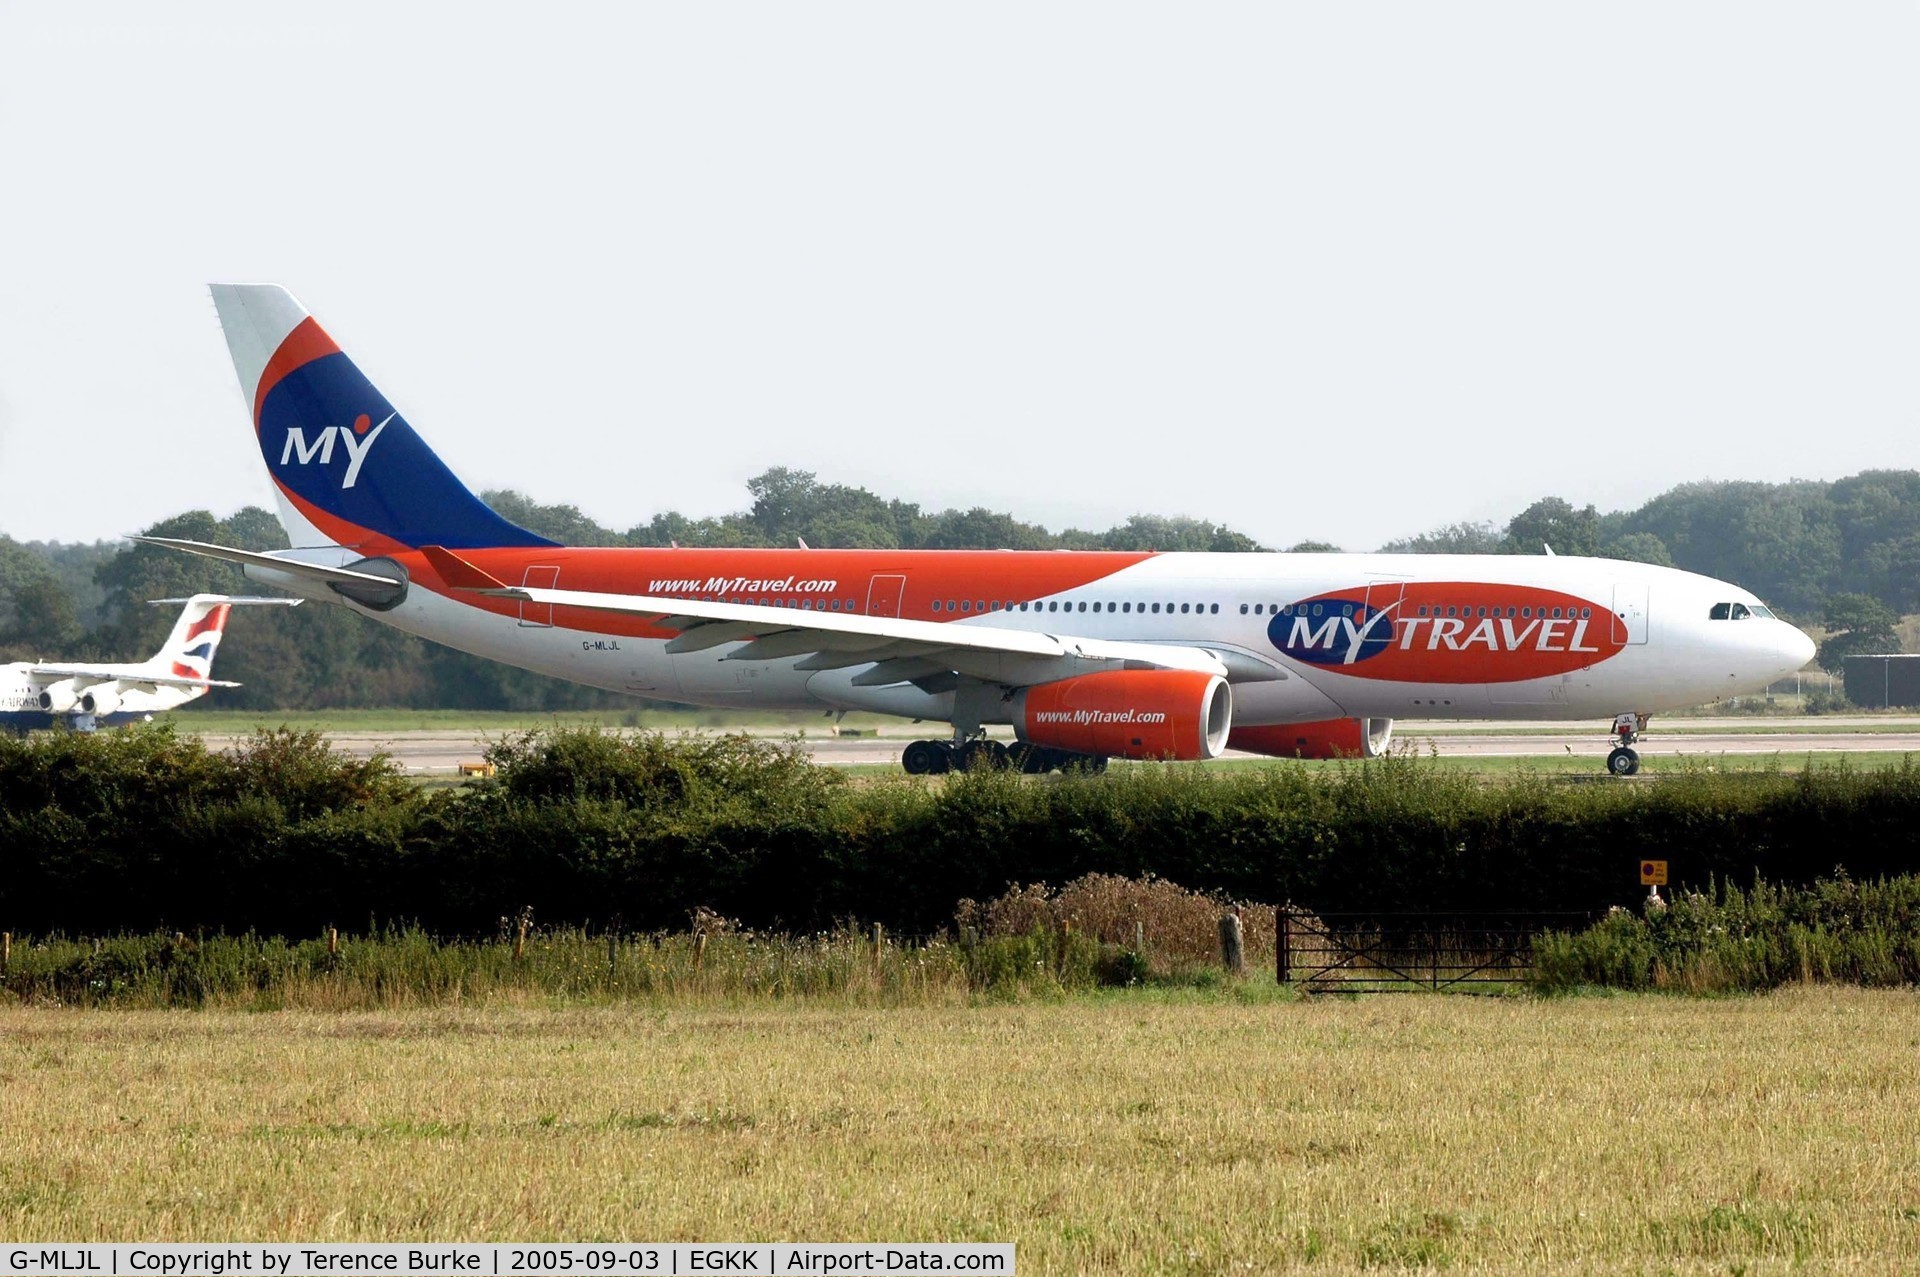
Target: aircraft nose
x,y
1796,649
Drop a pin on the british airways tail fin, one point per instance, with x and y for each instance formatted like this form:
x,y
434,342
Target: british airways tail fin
x,y
195,637
188,651
347,468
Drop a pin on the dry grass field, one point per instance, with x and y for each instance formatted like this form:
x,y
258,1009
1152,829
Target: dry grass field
x,y
1135,1132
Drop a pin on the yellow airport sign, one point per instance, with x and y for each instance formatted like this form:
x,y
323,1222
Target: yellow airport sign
x,y
1653,873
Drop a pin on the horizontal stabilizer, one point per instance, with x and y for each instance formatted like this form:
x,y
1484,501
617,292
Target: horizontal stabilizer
x,y
254,558
89,674
233,600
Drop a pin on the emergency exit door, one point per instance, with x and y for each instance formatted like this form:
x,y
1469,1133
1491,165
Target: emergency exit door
x,y
539,614
886,594
1630,613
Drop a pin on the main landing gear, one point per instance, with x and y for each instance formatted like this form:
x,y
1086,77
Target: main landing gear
x,y
936,757
1624,760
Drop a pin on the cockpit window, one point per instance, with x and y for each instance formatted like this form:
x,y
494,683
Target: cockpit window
x,y
1737,612
1764,613
1740,612
1720,612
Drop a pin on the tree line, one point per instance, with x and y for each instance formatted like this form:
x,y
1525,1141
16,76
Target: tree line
x,y
1845,554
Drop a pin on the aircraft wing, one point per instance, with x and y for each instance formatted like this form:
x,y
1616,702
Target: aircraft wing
x,y
704,624
109,674
900,650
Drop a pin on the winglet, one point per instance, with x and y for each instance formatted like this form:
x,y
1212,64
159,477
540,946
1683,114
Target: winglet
x,y
457,572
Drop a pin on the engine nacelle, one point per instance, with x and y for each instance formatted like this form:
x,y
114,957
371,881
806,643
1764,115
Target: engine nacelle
x,y
1178,714
99,699
58,698
1329,738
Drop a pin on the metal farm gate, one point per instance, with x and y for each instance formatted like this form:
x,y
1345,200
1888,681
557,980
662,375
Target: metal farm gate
x,y
1402,952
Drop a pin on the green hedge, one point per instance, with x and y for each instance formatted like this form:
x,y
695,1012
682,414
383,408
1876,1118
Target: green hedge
x,y
138,830
1727,940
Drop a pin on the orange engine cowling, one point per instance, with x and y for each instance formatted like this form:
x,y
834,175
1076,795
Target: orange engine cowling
x,y
1129,714
1329,738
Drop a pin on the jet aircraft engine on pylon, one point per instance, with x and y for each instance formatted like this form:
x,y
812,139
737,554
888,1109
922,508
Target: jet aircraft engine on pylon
x,y
1333,738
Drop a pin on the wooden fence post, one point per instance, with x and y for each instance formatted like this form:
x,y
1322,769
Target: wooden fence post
x,y
879,939
1282,944
699,951
6,949
1139,936
520,939
1232,945
333,942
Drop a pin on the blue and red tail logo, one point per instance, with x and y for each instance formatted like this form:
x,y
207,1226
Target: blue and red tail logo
x,y
352,464
1447,632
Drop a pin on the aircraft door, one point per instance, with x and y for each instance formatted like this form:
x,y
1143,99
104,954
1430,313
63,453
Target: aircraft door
x,y
1384,595
886,594
539,614
1630,613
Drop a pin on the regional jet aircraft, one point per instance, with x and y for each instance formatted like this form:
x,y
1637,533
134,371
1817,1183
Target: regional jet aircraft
x,y
36,694
1086,656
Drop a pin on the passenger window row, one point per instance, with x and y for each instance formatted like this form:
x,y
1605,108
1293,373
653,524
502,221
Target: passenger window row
x,y
1461,609
798,605
1524,613
1070,605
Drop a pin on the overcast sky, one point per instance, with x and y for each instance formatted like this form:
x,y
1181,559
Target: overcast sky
x,y
1313,270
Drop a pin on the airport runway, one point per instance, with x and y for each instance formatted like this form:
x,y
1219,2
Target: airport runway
x,y
437,752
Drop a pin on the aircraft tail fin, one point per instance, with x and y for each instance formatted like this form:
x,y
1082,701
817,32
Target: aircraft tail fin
x,y
195,637
346,467
188,651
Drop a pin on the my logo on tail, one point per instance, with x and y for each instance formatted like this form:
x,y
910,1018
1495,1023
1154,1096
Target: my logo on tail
x,y
356,442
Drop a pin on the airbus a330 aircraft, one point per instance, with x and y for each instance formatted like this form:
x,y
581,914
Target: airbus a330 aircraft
x,y
36,695
1086,655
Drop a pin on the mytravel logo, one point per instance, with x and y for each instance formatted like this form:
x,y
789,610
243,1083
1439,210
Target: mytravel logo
x,y
1445,632
1332,630
355,443
1098,717
742,585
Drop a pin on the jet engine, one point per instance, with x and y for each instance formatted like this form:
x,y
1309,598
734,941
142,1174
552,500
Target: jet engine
x,y
58,698
1329,738
1180,714
100,699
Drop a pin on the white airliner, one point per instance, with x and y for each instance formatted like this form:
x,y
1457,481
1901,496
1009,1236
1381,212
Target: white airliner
x,y
1086,655
47,694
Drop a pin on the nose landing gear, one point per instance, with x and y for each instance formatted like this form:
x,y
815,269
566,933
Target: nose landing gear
x,y
1624,760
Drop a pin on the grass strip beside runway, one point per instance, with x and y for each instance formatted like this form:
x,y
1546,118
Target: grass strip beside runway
x,y
1135,1132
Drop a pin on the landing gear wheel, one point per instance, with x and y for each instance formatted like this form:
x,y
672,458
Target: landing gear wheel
x,y
1032,760
926,758
1623,762
982,755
